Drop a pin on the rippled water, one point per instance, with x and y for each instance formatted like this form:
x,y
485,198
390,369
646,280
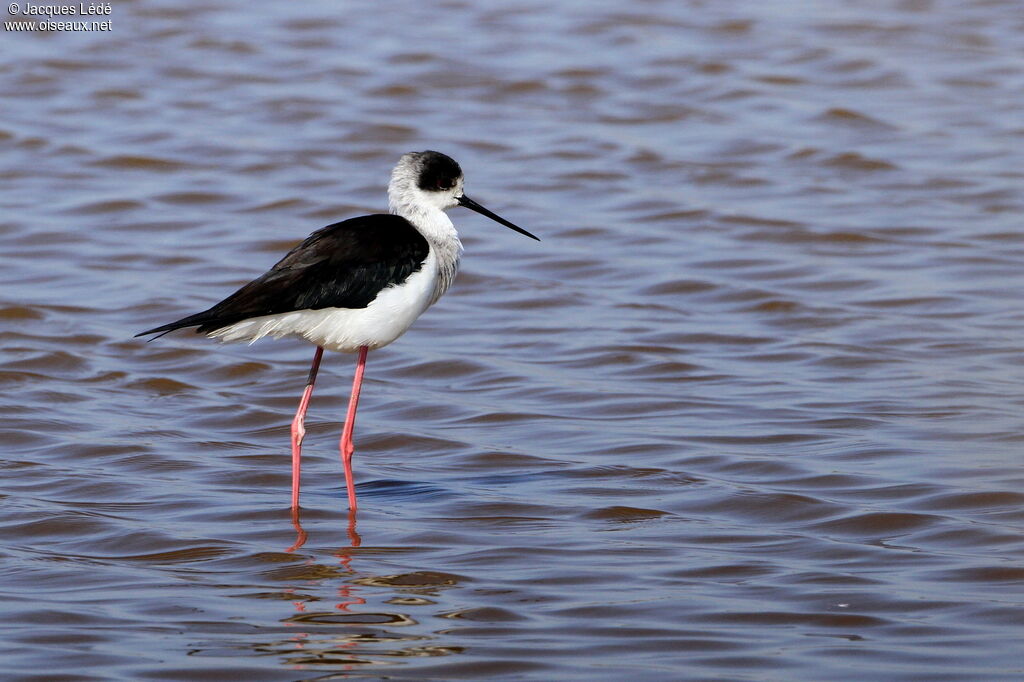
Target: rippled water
x,y
751,410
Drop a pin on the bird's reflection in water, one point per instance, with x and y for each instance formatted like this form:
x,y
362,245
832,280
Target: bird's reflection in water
x,y
335,651
345,639
345,589
351,638
301,536
345,559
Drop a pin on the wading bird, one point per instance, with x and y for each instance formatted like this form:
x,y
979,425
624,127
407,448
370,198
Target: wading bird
x,y
354,286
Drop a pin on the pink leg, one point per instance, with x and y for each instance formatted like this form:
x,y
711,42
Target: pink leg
x,y
347,448
299,427
300,537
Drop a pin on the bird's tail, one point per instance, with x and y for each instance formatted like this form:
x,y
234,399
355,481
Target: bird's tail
x,y
190,321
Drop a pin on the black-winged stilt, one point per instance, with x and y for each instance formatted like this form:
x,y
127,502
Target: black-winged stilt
x,y
354,285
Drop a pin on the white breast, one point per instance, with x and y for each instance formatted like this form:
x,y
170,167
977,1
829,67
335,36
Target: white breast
x,y
344,330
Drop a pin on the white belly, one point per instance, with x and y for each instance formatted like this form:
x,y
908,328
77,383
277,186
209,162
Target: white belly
x,y
346,329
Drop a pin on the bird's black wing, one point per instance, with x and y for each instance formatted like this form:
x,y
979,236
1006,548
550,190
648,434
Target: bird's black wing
x,y
344,265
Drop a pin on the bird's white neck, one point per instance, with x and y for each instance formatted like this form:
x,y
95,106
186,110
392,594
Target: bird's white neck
x,y
407,200
422,209
430,221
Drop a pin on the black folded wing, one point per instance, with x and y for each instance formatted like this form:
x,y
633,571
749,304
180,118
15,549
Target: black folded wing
x,y
344,265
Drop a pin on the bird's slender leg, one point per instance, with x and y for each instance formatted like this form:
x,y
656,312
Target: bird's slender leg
x,y
299,427
301,536
347,448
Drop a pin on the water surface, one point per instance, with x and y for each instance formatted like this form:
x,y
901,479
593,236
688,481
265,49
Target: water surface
x,y
750,411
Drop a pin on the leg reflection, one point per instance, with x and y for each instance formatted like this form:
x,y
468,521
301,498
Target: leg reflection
x,y
300,537
345,558
353,536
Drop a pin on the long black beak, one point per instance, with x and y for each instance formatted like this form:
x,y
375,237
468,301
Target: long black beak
x,y
473,206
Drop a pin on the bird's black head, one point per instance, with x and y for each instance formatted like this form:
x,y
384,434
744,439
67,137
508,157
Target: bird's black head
x,y
425,180
437,172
